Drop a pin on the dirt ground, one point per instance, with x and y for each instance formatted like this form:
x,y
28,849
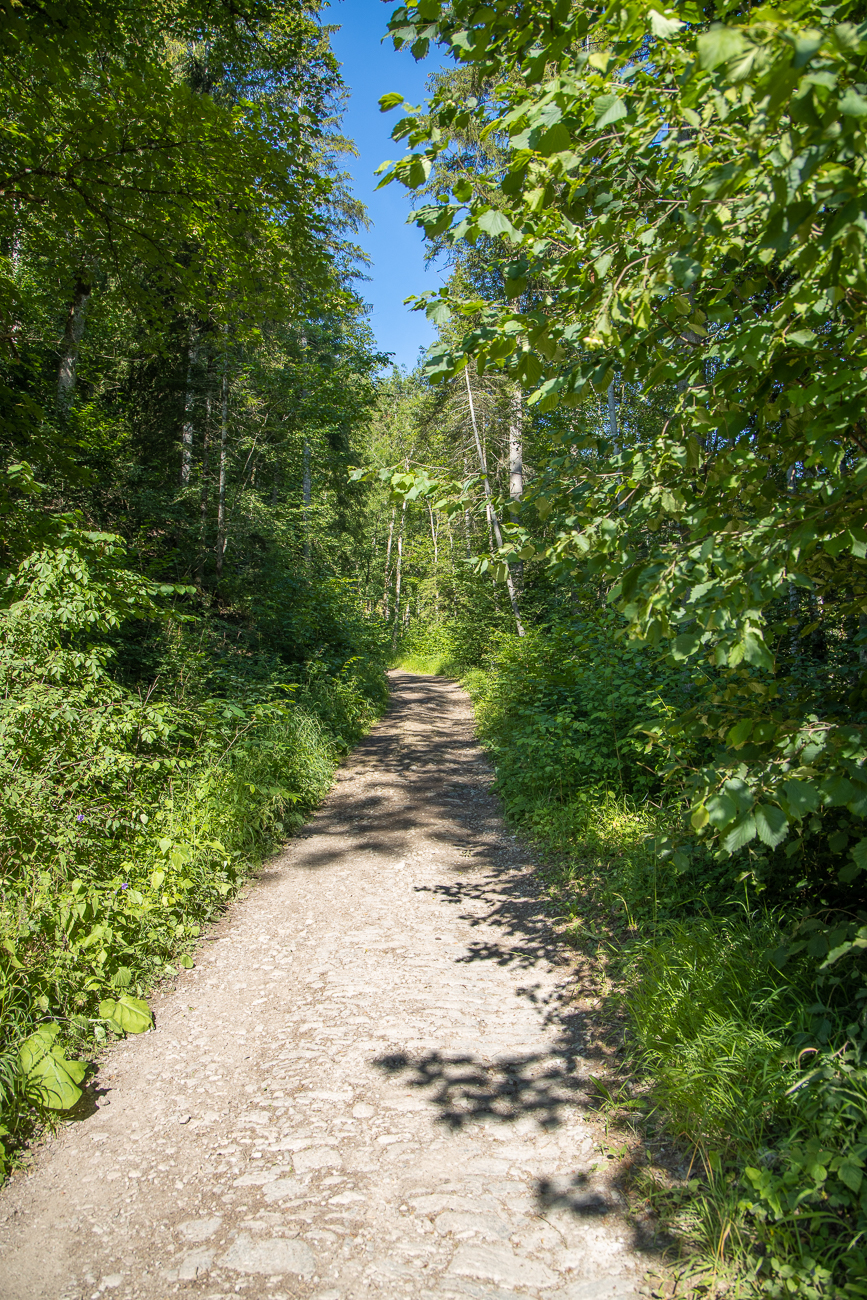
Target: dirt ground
x,y
370,1085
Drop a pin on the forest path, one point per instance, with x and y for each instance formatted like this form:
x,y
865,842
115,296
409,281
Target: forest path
x,y
369,1086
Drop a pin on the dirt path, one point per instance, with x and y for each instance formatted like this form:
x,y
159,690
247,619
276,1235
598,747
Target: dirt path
x,y
369,1086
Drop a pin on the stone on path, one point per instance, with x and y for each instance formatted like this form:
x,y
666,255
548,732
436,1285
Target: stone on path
x,y
371,1084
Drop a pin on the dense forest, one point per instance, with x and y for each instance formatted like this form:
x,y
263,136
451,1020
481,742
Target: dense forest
x,y
622,499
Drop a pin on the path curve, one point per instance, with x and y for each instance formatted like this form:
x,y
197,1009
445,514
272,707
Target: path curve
x,y
369,1086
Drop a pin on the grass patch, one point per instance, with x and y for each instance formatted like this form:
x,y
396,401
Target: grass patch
x,y
437,664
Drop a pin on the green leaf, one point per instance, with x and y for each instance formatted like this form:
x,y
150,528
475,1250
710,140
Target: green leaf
x,y
496,223
389,101
13,960
721,809
853,105
850,1174
801,796
772,824
719,45
126,1015
859,854
740,834
663,27
740,733
608,109
686,644
54,1079
755,650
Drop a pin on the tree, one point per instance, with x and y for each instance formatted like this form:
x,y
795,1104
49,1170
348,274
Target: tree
x,y
688,195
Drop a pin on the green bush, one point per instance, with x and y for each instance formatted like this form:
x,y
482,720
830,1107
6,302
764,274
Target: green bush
x,y
564,709
750,1053
127,817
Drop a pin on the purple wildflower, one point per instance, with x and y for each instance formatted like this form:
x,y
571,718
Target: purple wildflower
x,y
80,817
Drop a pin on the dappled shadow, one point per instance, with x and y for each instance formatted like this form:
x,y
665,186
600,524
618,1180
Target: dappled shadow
x,y
575,1194
548,1087
418,769
465,1089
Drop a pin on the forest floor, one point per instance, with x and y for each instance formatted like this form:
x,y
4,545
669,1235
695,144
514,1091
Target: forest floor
x,y
374,1083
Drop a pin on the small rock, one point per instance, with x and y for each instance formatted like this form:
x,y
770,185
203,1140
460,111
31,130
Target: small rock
x,y
200,1229
277,1255
281,1187
498,1264
363,1110
113,1280
317,1158
184,1119
462,1224
192,1264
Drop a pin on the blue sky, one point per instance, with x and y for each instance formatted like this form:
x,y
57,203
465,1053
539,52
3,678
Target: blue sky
x,y
396,250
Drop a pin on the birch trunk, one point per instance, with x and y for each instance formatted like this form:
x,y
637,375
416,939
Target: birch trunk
x,y
612,414
73,333
306,478
489,506
516,467
386,602
221,489
433,533
398,578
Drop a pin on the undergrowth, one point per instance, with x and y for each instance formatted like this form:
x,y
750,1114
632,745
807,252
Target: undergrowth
x,y
749,1061
130,813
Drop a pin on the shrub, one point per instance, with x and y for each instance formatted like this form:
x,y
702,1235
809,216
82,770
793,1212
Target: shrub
x,y
127,817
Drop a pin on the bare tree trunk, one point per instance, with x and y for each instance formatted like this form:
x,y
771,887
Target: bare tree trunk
x,y
612,414
489,505
73,333
516,448
307,493
433,533
467,520
388,564
306,480
398,578
189,400
371,563
221,489
203,496
516,467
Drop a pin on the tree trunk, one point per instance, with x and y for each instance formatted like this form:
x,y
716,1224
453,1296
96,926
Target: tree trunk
x,y
398,578
516,468
203,496
388,565
433,533
72,335
307,493
221,489
489,506
189,400
612,415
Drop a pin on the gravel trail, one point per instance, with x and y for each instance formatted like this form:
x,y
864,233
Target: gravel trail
x,y
369,1086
